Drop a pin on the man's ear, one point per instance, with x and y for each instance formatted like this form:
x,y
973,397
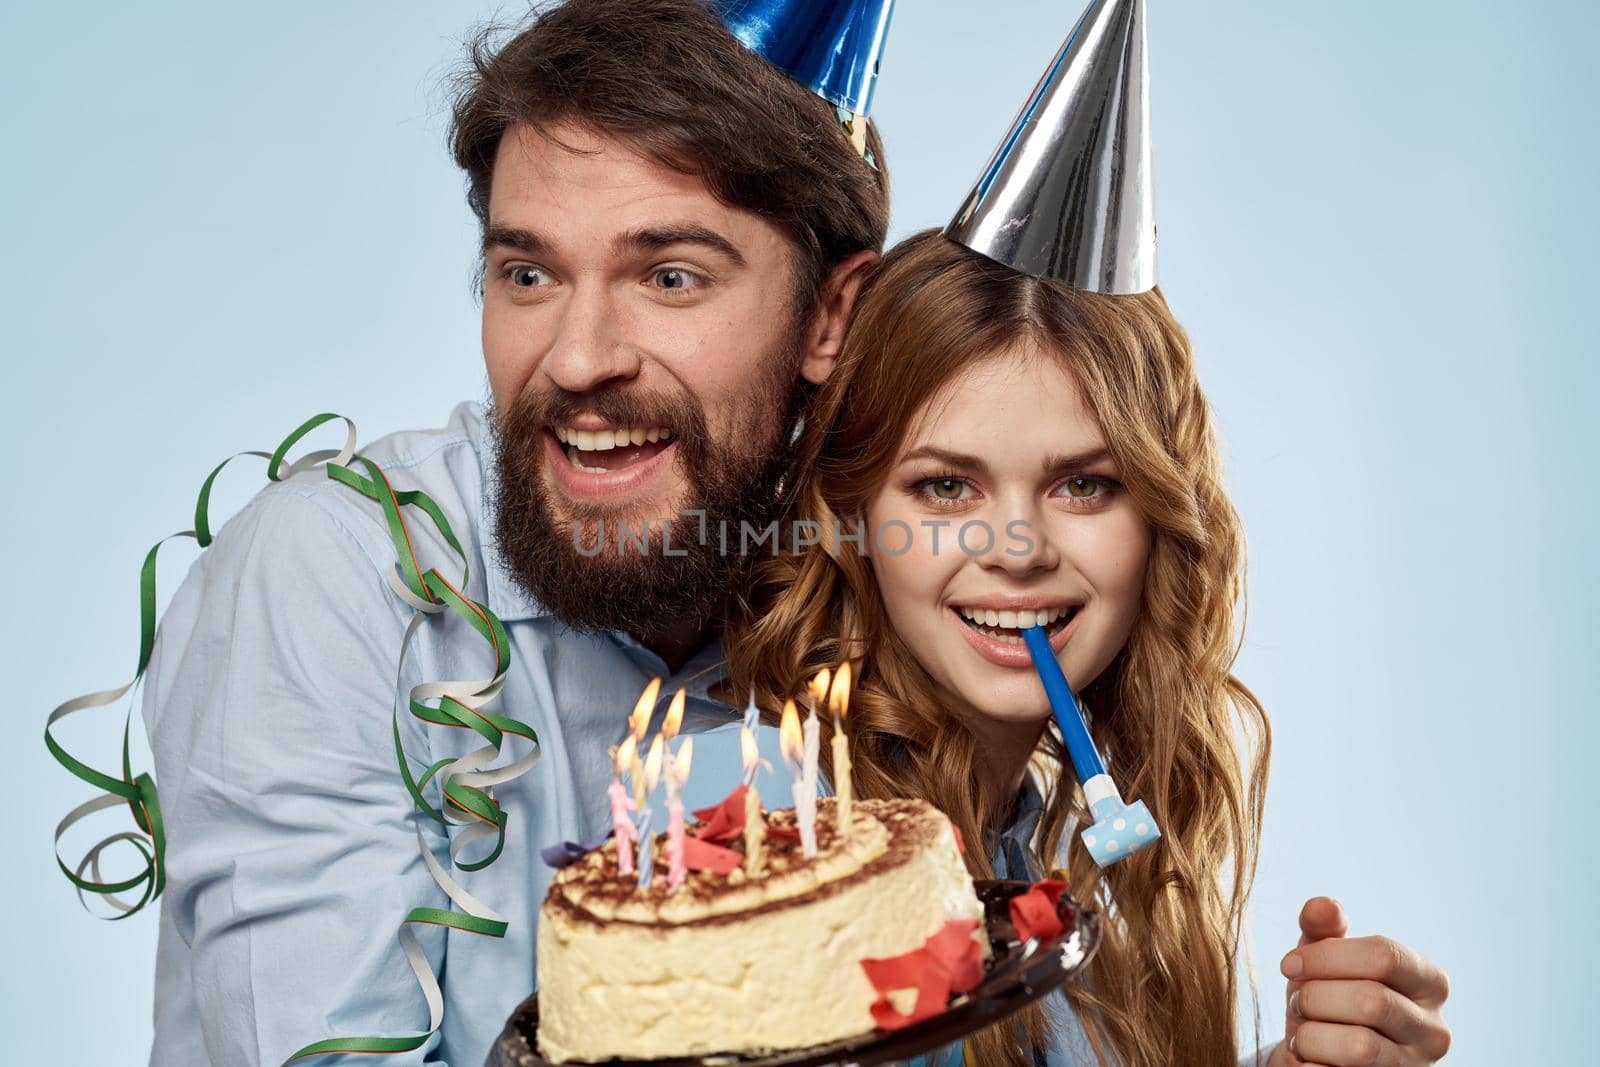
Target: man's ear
x,y
836,296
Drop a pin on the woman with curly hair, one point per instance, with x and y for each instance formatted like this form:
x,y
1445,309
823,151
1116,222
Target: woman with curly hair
x,y
996,450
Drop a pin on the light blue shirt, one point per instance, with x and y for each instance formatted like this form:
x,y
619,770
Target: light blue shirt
x,y
292,854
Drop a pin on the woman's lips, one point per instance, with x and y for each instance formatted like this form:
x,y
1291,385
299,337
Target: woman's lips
x,y
1005,654
590,486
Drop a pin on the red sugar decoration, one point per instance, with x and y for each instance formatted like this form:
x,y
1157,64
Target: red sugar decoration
x,y
724,821
948,962
701,855
1034,912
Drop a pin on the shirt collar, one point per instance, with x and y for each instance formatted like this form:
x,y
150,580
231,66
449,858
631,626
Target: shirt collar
x,y
1011,851
509,601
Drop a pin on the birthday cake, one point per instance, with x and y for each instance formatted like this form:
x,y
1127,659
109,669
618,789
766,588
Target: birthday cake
x,y
732,962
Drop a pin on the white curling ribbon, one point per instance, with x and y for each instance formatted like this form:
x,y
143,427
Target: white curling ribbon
x,y
471,693
340,457
104,800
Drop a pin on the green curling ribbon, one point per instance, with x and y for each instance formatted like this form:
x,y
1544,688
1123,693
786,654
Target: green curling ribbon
x,y
465,785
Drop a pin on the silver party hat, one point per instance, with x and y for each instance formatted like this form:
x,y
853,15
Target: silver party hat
x,y
1068,195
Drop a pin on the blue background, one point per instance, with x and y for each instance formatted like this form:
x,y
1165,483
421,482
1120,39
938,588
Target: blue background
x,y
1375,221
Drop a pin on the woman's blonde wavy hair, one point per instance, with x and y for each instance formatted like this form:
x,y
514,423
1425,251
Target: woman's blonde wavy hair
x,y
1167,713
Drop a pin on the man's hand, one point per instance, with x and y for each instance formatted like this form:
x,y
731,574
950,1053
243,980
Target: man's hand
x,y
1357,1001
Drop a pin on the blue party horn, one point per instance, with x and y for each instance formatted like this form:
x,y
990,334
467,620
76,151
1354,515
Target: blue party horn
x,y
1119,829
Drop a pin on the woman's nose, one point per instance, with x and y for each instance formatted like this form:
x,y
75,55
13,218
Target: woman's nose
x,y
1021,546
590,349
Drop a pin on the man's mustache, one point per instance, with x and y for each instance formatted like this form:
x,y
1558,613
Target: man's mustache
x,y
533,413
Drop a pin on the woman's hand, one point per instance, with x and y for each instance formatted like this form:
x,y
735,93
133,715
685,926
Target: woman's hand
x,y
1358,1001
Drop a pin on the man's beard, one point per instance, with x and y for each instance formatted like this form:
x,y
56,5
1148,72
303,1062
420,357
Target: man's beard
x,y
632,590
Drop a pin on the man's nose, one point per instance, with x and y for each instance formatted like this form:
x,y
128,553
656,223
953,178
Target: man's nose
x,y
589,349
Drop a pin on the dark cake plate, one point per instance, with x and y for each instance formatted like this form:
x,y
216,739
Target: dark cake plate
x,y
1018,974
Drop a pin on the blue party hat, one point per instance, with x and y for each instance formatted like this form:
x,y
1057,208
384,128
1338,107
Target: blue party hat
x,y
831,47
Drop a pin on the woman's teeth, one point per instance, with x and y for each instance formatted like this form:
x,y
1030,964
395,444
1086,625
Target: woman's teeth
x,y
604,440
1007,626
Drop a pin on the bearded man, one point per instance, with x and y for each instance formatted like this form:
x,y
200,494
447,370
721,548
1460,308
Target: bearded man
x,y
673,235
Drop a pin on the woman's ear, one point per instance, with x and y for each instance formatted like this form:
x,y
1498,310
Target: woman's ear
x,y
835,298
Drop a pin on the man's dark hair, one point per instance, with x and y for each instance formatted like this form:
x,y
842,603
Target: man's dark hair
x,y
667,77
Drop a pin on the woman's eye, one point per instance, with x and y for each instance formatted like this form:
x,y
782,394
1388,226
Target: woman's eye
x,y
1086,487
1082,487
675,278
528,277
948,490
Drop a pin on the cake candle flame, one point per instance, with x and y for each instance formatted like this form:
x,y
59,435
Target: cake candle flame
x,y
790,739
674,720
639,720
636,776
839,693
750,753
818,687
624,755
678,769
652,764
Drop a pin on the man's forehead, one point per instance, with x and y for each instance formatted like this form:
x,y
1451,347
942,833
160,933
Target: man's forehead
x,y
578,178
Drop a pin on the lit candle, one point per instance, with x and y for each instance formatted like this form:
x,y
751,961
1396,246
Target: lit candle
x,y
817,689
639,720
647,849
677,775
839,704
651,775
674,720
622,806
755,831
818,692
638,724
805,797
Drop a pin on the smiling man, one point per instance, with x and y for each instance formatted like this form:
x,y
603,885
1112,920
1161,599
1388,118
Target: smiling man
x,y
644,342
673,235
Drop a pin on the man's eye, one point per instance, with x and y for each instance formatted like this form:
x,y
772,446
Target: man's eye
x,y
528,277
675,278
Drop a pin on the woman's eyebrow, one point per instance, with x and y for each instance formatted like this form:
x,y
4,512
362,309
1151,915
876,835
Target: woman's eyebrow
x,y
1052,464
948,458
1059,463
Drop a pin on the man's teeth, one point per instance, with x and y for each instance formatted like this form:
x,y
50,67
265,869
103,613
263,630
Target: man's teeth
x,y
1014,620
604,440
572,458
